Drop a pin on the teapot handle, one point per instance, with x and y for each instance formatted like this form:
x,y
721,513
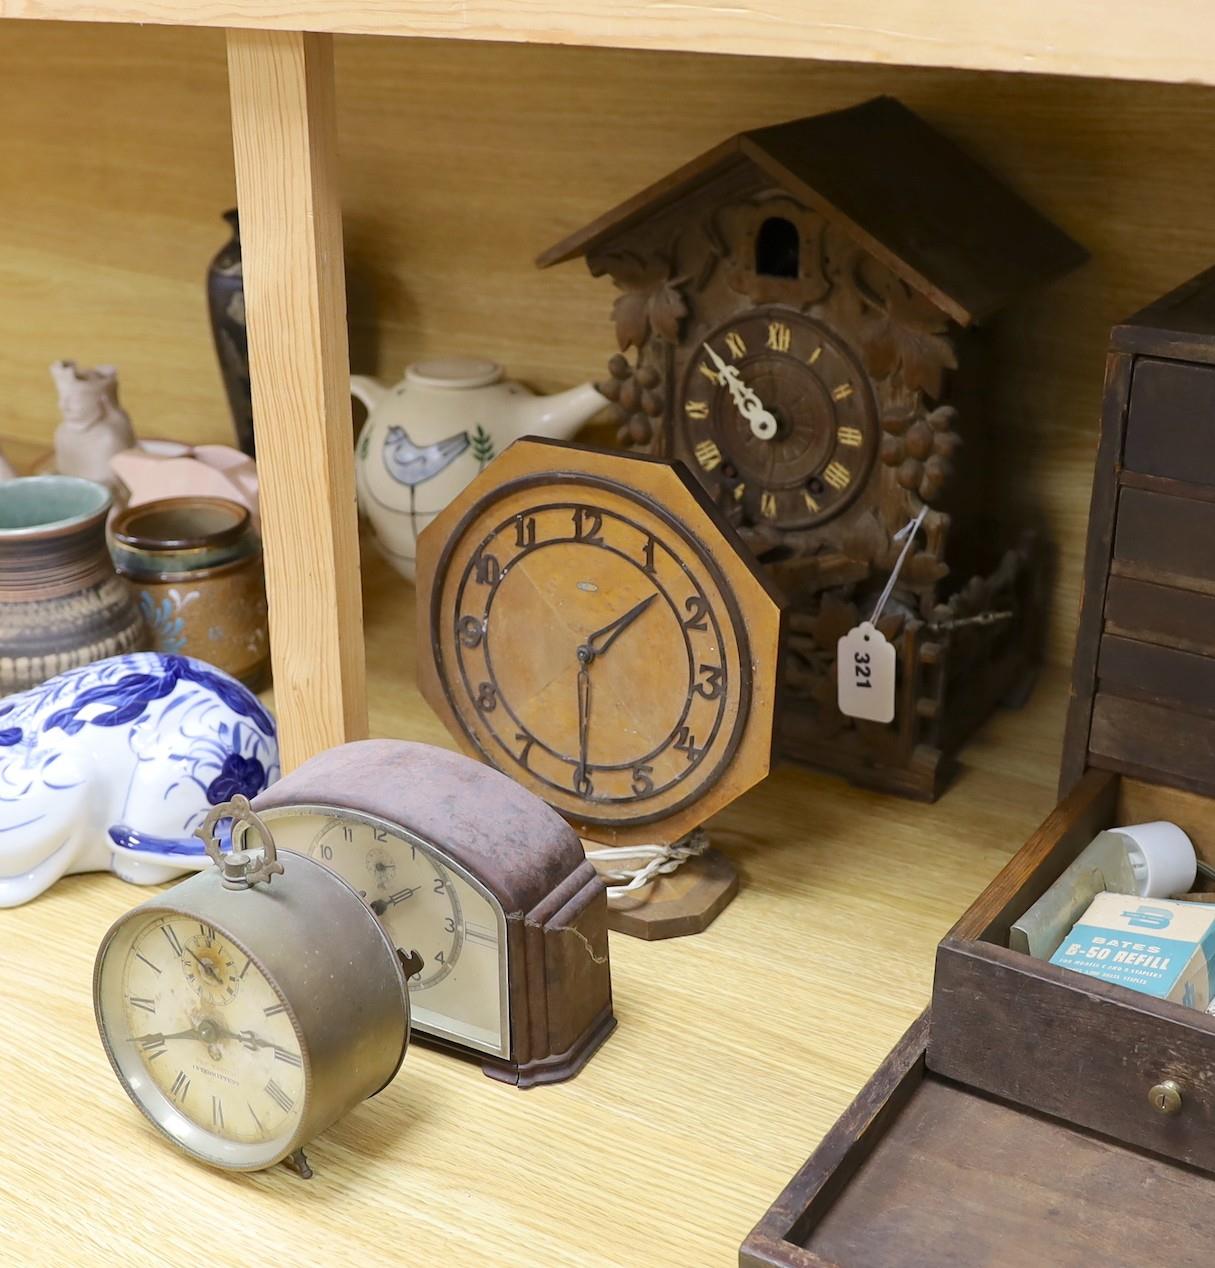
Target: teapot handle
x,y
367,391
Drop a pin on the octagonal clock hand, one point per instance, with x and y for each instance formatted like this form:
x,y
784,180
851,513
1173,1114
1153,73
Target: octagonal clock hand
x,y
584,716
746,401
598,642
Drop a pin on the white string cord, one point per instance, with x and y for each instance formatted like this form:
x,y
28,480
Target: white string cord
x,y
660,860
908,532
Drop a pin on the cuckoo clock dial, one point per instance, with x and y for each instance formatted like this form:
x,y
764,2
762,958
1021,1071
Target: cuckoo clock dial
x,y
778,418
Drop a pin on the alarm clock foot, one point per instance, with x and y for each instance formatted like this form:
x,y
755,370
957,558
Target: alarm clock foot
x,y
298,1162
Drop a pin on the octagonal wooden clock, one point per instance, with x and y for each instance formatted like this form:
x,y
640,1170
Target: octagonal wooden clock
x,y
590,625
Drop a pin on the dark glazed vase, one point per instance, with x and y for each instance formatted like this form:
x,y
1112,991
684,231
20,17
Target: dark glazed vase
x,y
226,305
61,603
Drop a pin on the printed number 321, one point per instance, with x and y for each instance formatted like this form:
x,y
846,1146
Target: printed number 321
x,y
860,662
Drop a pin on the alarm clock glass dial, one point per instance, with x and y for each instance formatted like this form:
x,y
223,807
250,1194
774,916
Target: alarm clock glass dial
x,y
777,419
429,905
590,649
202,1039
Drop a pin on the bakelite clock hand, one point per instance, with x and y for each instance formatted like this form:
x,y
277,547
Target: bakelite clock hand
x,y
746,400
598,642
381,905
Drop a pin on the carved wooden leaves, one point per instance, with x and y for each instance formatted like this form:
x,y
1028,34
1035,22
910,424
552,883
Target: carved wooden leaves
x,y
904,334
651,301
899,333
868,541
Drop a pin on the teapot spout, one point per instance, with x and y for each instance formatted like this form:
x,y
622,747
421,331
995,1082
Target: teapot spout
x,y
559,416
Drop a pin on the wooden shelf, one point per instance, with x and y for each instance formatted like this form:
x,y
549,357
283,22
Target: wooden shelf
x,y
1122,39
735,1050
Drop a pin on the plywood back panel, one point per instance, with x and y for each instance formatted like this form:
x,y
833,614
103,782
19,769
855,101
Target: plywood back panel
x,y
461,160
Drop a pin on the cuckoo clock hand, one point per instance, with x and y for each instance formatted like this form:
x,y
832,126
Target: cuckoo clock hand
x,y
748,404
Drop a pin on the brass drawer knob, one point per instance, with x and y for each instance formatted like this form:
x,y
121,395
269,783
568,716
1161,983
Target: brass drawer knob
x,y
1166,1096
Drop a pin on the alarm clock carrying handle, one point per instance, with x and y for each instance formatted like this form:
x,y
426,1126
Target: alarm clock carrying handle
x,y
243,868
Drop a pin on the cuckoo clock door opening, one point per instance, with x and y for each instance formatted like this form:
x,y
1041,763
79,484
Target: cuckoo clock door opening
x,y
778,248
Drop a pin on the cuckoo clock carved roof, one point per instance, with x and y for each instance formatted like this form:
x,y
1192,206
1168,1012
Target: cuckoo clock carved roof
x,y
913,199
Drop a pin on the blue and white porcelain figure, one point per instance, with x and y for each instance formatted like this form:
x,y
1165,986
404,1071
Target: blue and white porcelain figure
x,y
112,766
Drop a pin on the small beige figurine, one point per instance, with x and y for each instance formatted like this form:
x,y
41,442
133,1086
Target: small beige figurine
x,y
94,427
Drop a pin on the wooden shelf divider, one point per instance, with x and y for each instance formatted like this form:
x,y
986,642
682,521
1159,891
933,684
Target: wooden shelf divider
x,y
283,130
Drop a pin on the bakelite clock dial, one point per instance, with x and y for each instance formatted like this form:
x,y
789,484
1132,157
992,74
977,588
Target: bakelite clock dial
x,y
595,633
778,419
481,881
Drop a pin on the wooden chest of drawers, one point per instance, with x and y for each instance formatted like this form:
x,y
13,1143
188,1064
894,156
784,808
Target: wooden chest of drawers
x,y
1020,1120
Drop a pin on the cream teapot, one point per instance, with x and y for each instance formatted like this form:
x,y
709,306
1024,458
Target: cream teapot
x,y
426,438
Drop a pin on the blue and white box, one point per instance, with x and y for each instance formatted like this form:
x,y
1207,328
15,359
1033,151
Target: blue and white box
x,y
1155,945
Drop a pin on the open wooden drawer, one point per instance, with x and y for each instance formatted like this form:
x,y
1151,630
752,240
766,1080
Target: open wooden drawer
x,y
1013,1122
1023,1119
925,1172
1060,1042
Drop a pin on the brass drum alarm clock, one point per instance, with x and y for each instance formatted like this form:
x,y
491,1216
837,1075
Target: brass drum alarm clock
x,y
248,1008
483,880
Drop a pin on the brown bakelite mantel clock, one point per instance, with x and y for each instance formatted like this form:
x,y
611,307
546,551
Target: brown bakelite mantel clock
x,y
799,321
591,626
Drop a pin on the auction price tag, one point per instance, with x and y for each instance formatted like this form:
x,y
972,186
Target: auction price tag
x,y
865,667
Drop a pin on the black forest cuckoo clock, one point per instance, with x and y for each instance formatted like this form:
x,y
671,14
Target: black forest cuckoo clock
x,y
803,320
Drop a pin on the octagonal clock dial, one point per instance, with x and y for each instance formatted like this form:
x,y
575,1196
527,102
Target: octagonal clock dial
x,y
588,642
778,419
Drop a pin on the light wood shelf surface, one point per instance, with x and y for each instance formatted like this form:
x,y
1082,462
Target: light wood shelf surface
x,y
1118,39
734,1053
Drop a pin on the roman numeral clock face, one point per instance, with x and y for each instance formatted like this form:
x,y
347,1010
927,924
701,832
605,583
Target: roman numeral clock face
x,y
590,647
778,419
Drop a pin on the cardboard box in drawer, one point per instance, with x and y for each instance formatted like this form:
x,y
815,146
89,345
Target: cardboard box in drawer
x,y
1161,948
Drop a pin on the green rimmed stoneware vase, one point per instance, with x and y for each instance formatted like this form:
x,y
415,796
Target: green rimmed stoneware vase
x,y
61,603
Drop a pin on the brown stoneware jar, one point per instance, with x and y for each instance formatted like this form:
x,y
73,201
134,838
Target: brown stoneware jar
x,y
61,603
196,566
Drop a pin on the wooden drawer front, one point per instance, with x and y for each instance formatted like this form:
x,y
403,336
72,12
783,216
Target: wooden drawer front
x,y
1150,613
1163,539
1161,675
1170,428
1082,1050
1156,742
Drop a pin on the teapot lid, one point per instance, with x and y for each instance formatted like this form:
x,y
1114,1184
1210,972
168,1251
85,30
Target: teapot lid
x,y
453,372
